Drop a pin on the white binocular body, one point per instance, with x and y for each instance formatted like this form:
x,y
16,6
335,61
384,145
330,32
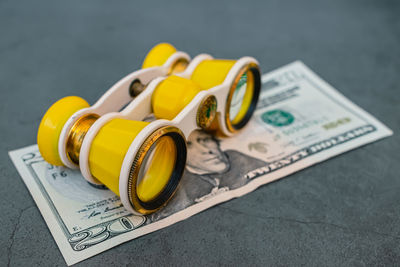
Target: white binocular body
x,y
142,161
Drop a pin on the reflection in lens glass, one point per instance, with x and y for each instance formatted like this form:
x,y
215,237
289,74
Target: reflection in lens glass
x,y
242,97
237,98
156,169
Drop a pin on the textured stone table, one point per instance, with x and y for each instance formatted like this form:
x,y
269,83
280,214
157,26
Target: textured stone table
x,y
345,211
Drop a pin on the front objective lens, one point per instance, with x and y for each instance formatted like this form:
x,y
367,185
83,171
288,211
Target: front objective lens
x,y
238,103
243,97
156,169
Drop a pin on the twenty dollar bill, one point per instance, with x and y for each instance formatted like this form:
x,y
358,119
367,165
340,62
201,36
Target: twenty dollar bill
x,y
300,120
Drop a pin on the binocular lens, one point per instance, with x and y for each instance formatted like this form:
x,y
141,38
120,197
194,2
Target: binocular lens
x,y
239,105
156,169
243,98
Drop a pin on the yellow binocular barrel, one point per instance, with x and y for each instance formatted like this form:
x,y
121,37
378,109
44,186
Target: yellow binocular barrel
x,y
244,90
58,127
143,162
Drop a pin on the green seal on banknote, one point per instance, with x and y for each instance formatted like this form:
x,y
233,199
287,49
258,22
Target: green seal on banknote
x,y
277,117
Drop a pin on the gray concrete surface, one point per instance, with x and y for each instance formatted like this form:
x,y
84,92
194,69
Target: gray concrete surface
x,y
345,211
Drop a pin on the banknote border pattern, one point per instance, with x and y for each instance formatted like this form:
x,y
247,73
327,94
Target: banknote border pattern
x,y
88,237
101,232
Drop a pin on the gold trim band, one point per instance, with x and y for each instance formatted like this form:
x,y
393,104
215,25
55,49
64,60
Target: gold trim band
x,y
76,135
255,87
169,190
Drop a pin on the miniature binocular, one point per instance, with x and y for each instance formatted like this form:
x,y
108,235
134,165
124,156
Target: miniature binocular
x,y
141,161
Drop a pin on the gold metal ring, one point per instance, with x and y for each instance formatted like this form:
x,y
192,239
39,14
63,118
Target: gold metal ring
x,y
254,71
171,187
76,135
206,112
178,66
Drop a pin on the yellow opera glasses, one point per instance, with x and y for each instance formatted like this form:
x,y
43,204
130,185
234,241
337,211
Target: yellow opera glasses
x,y
143,162
58,129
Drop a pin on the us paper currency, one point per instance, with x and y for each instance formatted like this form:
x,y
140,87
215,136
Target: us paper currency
x,y
300,121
